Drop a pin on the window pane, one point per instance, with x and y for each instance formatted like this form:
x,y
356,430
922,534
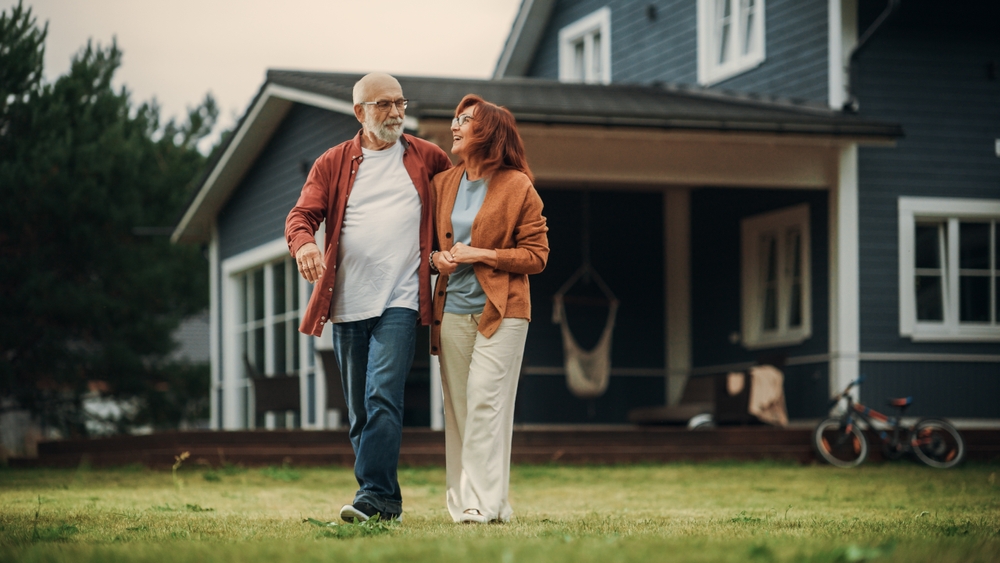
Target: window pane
x,y
243,299
595,57
311,398
578,61
974,246
279,348
929,304
769,258
279,288
258,294
996,249
748,15
793,259
974,298
927,255
795,306
294,305
294,348
723,12
258,349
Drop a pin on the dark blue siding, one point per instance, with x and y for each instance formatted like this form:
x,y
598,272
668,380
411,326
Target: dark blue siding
x,y
255,214
796,46
715,291
807,390
666,49
931,75
966,390
642,51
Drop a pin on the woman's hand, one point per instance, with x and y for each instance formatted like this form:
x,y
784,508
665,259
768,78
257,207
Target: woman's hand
x,y
464,254
444,262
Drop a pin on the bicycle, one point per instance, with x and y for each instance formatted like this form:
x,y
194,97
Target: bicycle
x,y
841,441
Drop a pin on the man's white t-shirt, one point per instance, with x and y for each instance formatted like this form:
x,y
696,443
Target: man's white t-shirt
x,y
379,255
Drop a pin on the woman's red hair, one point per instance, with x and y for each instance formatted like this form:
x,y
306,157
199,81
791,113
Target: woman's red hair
x,y
494,143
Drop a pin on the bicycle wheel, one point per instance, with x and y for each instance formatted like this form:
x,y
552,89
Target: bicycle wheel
x,y
937,443
840,445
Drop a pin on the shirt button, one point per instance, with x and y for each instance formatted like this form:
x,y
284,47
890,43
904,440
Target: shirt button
x,y
331,289
323,318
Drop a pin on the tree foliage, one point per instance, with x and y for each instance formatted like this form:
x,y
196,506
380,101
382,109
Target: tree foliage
x,y
85,293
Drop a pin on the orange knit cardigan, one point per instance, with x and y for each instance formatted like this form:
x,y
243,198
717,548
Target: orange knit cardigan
x,y
509,221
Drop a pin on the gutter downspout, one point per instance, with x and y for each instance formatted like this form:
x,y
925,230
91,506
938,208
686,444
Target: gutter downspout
x,y
852,104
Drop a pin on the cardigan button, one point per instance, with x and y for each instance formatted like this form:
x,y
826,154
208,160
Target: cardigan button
x,y
434,348
447,235
437,322
440,293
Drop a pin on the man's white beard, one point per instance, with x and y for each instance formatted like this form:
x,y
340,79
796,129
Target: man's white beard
x,y
388,131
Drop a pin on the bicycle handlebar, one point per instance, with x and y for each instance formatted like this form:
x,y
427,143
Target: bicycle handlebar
x,y
846,390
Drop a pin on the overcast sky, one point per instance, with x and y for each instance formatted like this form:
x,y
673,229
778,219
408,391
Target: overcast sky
x,y
177,51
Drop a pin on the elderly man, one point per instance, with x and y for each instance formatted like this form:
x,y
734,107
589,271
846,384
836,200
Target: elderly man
x,y
372,281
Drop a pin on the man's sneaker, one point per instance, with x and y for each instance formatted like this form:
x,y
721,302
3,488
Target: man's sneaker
x,y
362,511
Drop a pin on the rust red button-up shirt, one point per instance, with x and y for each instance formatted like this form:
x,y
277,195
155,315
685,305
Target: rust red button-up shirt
x,y
324,197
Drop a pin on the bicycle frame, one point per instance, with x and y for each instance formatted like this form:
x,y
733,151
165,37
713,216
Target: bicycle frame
x,y
870,416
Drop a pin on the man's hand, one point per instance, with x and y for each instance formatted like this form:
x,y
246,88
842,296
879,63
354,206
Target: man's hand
x,y
310,261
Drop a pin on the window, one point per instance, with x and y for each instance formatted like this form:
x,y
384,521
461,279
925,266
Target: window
x,y
730,38
585,49
949,256
776,302
267,332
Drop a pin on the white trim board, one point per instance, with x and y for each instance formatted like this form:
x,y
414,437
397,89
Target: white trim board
x,y
525,35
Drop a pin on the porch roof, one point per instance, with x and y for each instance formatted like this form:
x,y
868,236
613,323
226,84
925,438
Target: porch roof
x,y
560,108
617,105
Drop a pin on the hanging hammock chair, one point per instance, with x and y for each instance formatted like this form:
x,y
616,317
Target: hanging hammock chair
x,y
587,371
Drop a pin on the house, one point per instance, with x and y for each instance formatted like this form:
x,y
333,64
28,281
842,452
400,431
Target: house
x,y
753,216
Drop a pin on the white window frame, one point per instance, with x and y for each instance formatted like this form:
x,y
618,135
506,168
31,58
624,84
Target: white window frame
x,y
950,211
583,32
710,70
754,336
234,374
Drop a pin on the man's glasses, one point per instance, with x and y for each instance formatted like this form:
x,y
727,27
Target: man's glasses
x,y
461,120
384,105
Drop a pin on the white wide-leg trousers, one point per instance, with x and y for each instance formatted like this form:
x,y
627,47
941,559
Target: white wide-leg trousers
x,y
479,378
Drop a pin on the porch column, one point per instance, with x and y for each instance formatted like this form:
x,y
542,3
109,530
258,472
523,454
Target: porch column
x,y
215,359
677,285
844,285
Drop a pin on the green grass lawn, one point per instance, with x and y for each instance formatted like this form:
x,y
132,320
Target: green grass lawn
x,y
678,512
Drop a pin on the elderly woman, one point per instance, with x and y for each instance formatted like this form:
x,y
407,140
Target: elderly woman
x,y
491,235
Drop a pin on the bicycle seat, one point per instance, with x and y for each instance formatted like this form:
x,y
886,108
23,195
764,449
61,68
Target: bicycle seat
x,y
900,402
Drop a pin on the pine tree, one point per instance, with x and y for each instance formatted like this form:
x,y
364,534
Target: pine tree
x,y
85,295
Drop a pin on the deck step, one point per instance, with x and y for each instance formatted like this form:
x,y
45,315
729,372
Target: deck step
x,y
611,445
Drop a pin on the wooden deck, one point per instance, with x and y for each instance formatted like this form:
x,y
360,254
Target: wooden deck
x,y
567,444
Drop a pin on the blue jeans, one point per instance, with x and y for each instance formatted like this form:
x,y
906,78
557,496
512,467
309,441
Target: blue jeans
x,y
374,355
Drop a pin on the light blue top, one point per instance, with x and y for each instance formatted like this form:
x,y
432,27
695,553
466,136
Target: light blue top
x,y
465,295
